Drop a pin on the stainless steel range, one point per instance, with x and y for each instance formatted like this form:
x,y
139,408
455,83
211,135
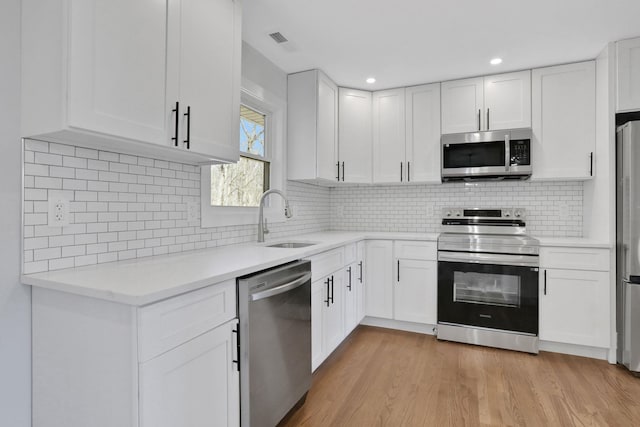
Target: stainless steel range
x,y
488,279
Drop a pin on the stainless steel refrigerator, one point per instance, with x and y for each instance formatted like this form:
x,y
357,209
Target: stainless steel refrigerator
x,y
628,245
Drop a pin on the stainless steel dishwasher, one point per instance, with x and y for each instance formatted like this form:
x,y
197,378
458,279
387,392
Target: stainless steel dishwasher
x,y
275,342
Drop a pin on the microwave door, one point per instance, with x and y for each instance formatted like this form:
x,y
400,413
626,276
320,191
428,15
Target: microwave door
x,y
476,158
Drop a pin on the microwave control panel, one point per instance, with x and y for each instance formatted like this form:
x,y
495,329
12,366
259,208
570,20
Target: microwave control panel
x,y
520,152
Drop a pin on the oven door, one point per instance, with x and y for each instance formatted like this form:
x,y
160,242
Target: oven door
x,y
489,291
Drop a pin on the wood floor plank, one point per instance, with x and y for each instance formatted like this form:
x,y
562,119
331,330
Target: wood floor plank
x,y
382,377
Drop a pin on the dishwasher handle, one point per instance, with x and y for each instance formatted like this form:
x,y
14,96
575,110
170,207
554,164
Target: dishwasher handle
x,y
282,288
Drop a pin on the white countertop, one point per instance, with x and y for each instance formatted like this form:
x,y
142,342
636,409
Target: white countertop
x,y
573,242
146,280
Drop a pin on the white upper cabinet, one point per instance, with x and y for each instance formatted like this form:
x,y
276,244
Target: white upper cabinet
x,y
312,120
487,103
462,103
354,135
104,74
563,121
389,136
204,46
628,78
423,133
507,101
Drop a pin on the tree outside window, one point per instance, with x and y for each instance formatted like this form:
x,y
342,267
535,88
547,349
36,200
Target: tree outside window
x,y
242,183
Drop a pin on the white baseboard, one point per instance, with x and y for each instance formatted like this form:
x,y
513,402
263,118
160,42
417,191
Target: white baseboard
x,y
420,328
553,347
576,350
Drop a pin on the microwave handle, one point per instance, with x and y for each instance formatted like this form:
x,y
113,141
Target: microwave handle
x,y
507,153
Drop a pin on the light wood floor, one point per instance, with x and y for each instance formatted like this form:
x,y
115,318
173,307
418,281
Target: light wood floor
x,y
380,377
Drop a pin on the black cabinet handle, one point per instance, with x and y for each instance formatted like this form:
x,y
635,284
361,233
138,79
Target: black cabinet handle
x,y
332,289
349,285
338,167
188,115
545,282
237,361
342,171
591,164
177,125
408,171
360,265
488,119
478,119
328,300
400,171
398,270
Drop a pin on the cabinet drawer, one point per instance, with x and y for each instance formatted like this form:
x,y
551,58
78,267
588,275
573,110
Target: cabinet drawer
x,y
350,253
326,263
167,324
575,258
417,250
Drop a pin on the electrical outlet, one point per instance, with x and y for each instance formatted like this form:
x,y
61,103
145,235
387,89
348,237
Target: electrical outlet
x,y
192,211
58,210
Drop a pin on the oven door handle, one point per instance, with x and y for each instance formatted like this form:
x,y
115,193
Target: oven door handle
x,y
483,258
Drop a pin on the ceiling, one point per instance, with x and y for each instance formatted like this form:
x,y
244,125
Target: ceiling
x,y
407,42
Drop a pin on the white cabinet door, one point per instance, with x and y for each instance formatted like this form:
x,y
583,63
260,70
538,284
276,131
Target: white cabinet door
x,y
423,133
117,68
332,316
414,298
388,136
563,121
507,101
195,384
628,78
462,104
360,283
318,295
351,298
204,74
327,128
574,307
379,278
354,135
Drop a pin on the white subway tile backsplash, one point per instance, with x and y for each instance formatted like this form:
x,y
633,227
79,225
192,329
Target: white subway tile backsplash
x,y
553,208
125,207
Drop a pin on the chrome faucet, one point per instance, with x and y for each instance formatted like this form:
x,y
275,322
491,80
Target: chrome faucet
x,y
261,226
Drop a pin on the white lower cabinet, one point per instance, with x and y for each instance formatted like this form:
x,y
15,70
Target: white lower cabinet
x,y
575,300
401,280
351,294
101,363
414,296
327,303
379,279
194,384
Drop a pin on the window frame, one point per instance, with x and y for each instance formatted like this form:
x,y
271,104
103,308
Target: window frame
x,y
274,109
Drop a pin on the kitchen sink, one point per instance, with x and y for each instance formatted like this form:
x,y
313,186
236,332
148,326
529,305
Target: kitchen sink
x,y
291,245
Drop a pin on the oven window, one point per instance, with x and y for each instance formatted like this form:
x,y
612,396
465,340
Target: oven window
x,y
473,155
486,288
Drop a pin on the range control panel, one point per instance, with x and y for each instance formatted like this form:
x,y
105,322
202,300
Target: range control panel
x,y
480,214
520,152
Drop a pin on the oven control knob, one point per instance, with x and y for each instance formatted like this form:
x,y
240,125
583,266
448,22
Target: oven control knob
x,y
448,213
517,214
507,214
458,213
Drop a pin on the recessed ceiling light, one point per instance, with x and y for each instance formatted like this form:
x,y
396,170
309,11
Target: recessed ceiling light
x,y
496,61
371,80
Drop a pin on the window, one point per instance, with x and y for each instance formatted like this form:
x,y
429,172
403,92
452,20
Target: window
x,y
242,183
230,193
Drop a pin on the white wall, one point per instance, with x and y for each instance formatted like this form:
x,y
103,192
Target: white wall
x,y
15,302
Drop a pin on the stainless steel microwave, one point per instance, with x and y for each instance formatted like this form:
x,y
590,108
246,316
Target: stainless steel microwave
x,y
492,155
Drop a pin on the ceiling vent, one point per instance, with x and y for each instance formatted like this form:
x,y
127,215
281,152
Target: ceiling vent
x,y
279,38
